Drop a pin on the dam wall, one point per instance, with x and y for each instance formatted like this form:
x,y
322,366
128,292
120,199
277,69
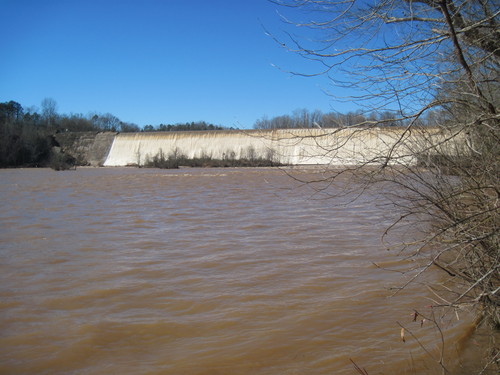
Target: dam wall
x,y
286,146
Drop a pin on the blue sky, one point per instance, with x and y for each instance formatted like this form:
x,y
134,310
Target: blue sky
x,y
154,61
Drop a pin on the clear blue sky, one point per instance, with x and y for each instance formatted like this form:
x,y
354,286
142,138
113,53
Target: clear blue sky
x,y
153,61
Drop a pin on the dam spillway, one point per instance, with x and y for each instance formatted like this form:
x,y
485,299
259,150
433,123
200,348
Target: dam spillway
x,y
285,146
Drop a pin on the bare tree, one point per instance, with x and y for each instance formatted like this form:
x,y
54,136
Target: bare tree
x,y
106,122
412,61
49,111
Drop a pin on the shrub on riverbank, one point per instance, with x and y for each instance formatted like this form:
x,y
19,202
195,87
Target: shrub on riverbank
x,y
176,159
60,161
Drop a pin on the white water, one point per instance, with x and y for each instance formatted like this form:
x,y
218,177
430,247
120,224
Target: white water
x,y
287,146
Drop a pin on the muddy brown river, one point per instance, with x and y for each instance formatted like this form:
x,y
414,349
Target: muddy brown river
x,y
207,272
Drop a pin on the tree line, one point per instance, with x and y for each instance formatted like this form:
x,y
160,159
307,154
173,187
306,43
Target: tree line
x,y
303,118
27,134
187,126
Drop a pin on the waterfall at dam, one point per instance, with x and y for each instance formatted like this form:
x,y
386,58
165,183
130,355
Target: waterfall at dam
x,y
285,146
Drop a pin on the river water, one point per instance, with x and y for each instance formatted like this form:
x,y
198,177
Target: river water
x,y
204,271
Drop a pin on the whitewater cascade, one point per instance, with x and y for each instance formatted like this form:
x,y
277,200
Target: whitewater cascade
x,y
286,146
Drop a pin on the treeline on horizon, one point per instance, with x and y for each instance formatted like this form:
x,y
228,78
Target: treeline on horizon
x,y
303,118
27,135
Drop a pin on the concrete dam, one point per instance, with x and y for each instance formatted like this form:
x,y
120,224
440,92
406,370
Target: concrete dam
x,y
285,146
